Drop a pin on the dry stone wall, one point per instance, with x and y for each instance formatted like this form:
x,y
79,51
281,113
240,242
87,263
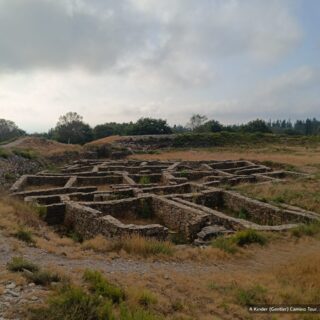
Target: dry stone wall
x,y
156,198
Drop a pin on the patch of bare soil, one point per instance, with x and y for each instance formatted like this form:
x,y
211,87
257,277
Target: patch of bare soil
x,y
42,146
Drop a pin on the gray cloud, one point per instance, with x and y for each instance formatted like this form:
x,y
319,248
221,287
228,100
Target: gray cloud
x,y
173,39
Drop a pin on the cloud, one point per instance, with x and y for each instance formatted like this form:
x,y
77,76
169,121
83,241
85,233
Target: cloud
x,y
176,38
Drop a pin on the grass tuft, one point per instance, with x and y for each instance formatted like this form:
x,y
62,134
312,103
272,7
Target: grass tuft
x,y
25,235
310,230
100,286
250,296
18,264
147,298
43,278
239,239
249,236
73,303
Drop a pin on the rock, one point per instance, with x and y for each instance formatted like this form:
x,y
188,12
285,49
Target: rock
x,y
11,285
12,293
34,298
31,284
207,233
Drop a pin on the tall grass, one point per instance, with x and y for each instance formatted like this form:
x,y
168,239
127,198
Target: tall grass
x,y
135,245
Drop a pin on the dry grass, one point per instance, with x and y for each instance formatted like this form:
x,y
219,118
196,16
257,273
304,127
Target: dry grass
x,y
42,147
300,192
135,245
297,156
15,214
103,141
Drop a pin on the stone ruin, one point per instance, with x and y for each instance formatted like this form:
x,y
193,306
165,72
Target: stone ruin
x,y
161,199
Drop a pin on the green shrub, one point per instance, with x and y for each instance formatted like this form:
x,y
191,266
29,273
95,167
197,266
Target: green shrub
x,y
145,210
146,298
310,229
25,235
99,285
18,264
138,314
249,236
239,239
41,210
243,214
75,236
72,303
225,244
144,180
43,278
253,295
27,154
4,153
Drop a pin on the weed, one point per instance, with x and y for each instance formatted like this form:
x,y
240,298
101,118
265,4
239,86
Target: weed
x,y
253,295
41,210
73,303
249,236
99,285
310,229
225,244
146,298
4,153
144,180
75,236
25,235
43,278
138,314
18,264
145,210
243,213
27,154
177,305
239,239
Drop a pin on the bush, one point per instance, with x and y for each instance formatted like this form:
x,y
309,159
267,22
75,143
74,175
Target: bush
x,y
99,285
73,303
146,298
240,238
25,235
18,264
43,278
310,229
144,180
224,244
249,236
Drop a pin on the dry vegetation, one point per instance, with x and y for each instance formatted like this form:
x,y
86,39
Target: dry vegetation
x,y
182,282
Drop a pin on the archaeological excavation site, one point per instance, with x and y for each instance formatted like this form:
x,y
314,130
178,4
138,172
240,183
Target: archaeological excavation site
x,y
168,200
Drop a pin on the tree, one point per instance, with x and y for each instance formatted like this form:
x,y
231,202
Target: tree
x,y
257,125
151,126
9,130
196,121
210,126
71,129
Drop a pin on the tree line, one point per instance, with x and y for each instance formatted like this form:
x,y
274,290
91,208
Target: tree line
x,y
71,128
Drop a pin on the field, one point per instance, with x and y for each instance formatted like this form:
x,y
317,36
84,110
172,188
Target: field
x,y
161,280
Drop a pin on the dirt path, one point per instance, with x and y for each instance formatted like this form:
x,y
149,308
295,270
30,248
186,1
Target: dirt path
x,y
257,259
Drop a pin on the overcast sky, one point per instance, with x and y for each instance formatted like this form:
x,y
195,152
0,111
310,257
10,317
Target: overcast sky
x,y
119,60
